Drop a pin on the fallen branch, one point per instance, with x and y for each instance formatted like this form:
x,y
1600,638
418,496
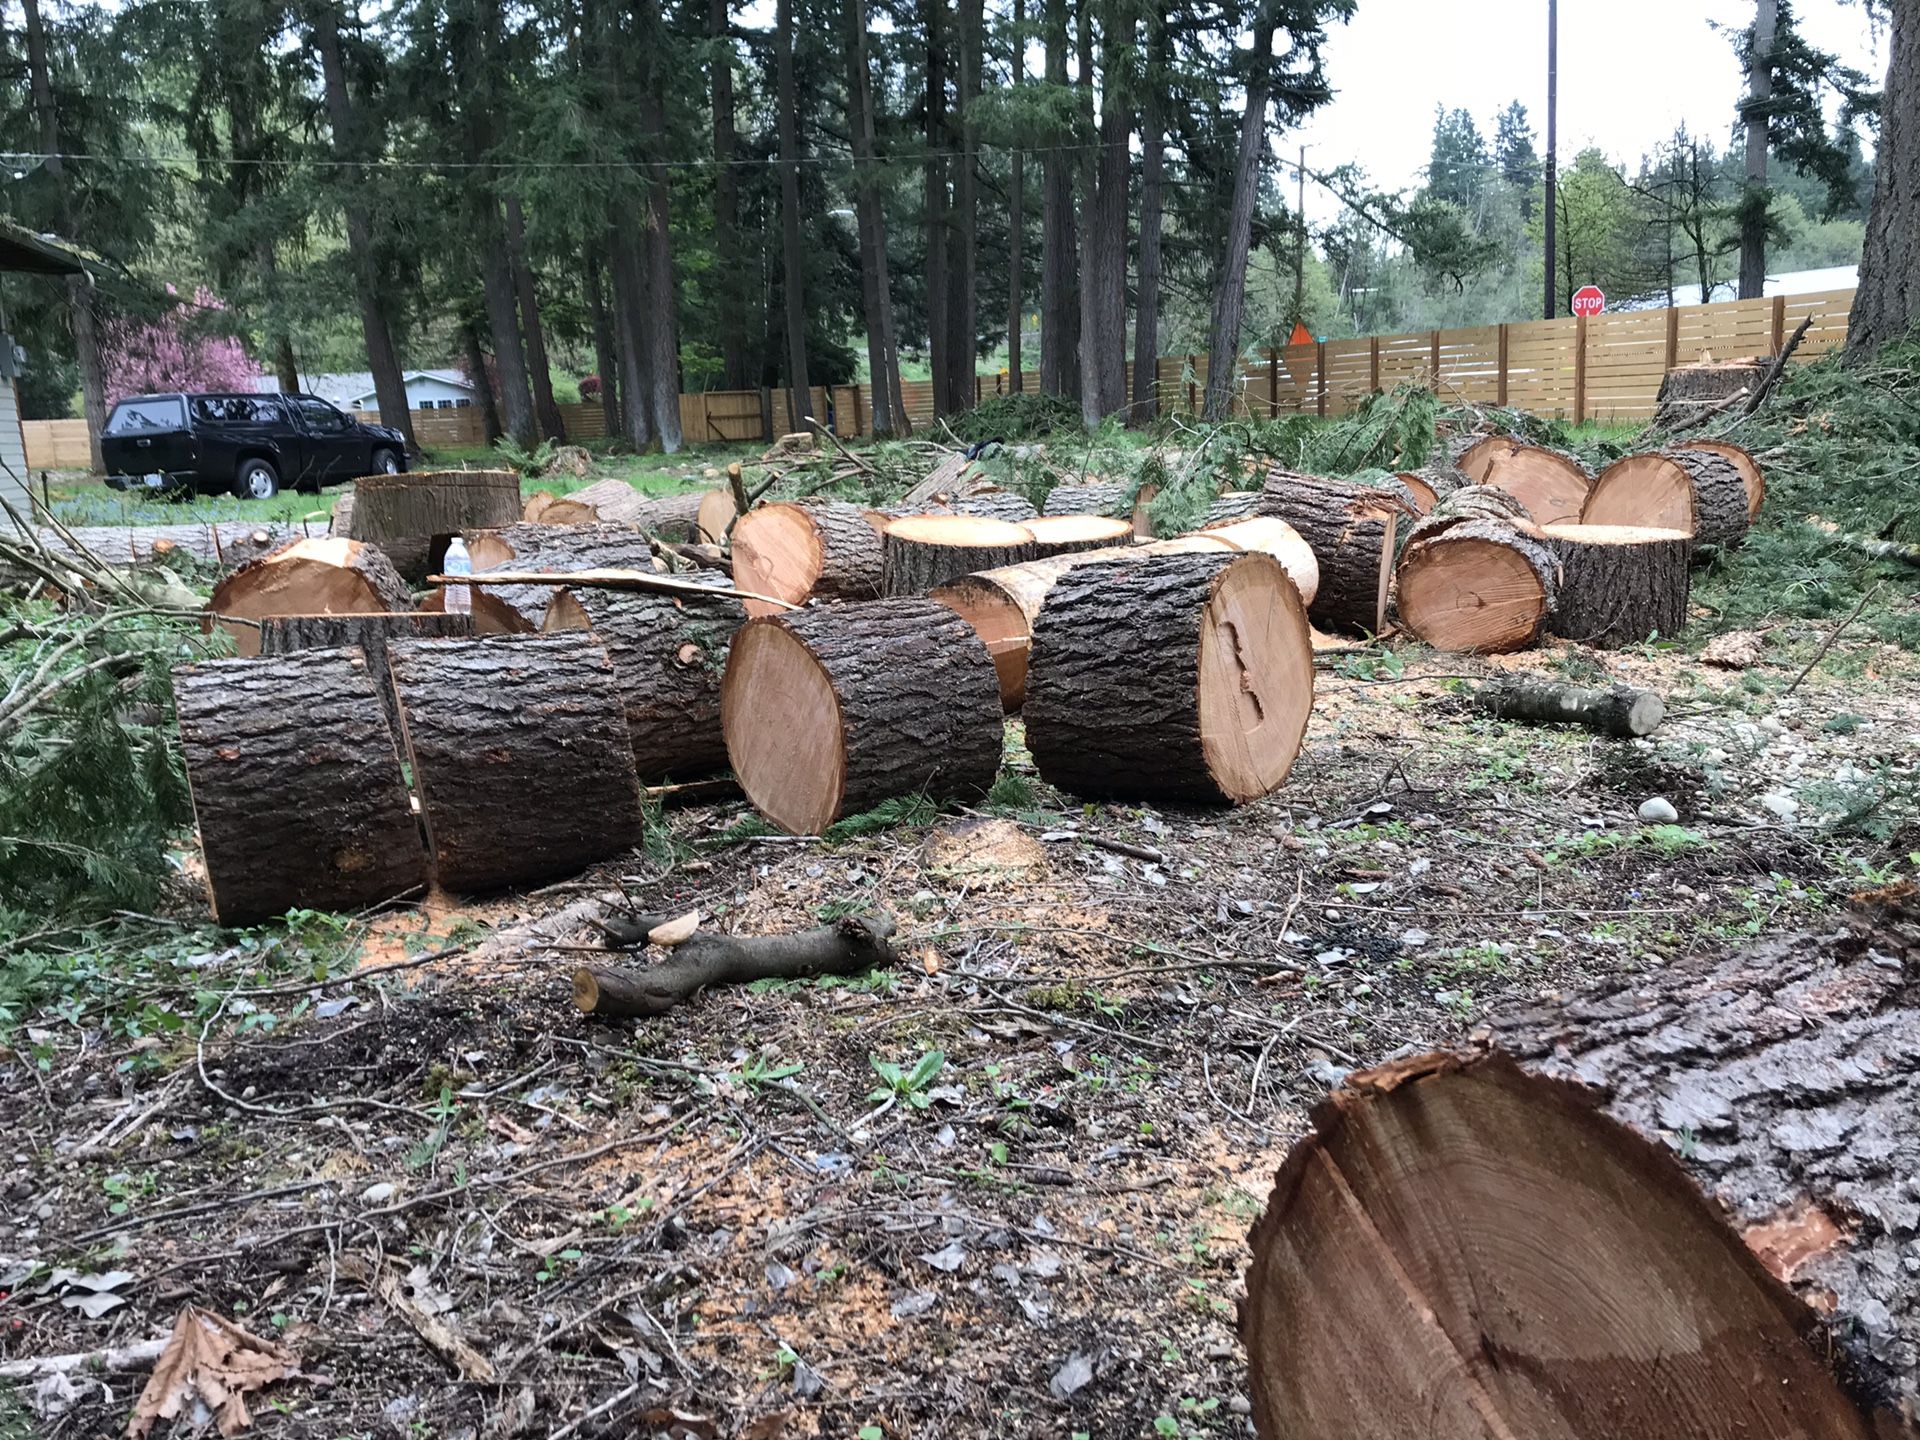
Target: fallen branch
x,y
1870,545
849,946
1827,644
111,1360
1619,710
440,1337
1774,371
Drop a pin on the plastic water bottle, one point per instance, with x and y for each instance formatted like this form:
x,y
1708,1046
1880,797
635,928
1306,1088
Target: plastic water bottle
x,y
458,562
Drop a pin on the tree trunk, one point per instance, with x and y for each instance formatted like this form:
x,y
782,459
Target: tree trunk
x,y
1619,710
938,143
668,654
1753,114
1477,578
406,514
1016,217
1182,678
1059,293
731,269
790,216
482,382
520,756
663,330
604,359
1146,305
830,712
324,576
1887,303
296,786
509,354
1694,491
286,634
546,409
629,337
383,359
1103,253
1351,531
963,302
922,551
807,549
1230,291
1619,585
851,945
875,290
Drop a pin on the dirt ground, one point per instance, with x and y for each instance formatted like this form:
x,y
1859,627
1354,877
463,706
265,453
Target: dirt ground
x,y
470,1211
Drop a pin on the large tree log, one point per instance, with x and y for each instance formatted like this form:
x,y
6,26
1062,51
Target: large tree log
x,y
296,785
851,945
1751,475
520,756
1691,490
1231,505
1266,535
996,505
669,653
1351,531
1170,677
557,549
696,517
327,576
1477,575
1552,485
285,634
406,514
230,542
1070,534
1618,710
807,549
829,712
1619,584
922,551
1106,497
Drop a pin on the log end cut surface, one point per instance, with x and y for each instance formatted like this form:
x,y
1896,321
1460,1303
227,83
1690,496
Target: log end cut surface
x,y
1551,486
1460,591
1642,490
785,734
969,530
777,551
1077,532
998,618
1256,679
1465,1250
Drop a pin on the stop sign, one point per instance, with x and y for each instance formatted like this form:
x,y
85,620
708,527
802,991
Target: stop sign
x,y
1589,300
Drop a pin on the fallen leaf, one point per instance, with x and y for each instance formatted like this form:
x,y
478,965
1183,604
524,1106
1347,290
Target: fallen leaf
x,y
92,1304
211,1360
1071,1377
914,1302
949,1257
676,930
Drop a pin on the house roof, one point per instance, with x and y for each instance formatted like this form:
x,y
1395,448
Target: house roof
x,y
23,251
351,385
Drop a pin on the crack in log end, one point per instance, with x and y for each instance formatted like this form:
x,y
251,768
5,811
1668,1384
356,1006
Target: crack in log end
x,y
1253,713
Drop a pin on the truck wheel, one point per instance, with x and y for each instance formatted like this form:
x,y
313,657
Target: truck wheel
x,y
385,462
256,480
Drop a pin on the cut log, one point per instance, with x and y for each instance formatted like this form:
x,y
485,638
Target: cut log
x,y
1231,505
1002,605
1475,583
1350,529
1266,535
851,945
681,518
229,543
1692,394
1619,584
406,514
285,634
520,756
954,477
1464,1251
1106,497
296,786
1424,488
1067,534
995,505
668,654
1751,476
328,576
557,549
1170,677
1619,710
1550,483
718,513
804,550
829,712
923,551
1695,491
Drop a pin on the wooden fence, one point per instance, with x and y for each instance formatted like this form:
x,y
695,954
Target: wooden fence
x,y
1607,368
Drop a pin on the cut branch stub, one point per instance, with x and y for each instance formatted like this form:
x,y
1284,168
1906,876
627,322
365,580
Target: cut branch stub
x,y
829,712
1751,475
923,551
1067,534
1619,584
1692,490
520,755
321,576
1510,1262
807,549
1170,677
296,786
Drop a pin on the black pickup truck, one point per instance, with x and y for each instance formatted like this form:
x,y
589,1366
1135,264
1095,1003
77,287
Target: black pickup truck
x,y
246,445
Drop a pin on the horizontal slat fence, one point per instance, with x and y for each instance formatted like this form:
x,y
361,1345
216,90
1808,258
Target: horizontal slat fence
x,y
1606,368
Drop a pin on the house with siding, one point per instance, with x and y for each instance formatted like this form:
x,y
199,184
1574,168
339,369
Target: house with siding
x,y
21,253
353,389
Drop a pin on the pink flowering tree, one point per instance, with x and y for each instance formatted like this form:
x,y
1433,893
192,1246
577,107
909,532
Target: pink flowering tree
x,y
178,350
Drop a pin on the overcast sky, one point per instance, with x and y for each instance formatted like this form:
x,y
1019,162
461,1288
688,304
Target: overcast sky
x,y
1630,71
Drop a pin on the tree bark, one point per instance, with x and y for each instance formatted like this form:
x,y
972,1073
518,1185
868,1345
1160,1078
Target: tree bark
x,y
1230,291
1103,227
383,358
296,786
482,381
808,549
938,225
405,514
546,408
1695,491
1751,475
520,756
963,303
663,330
1059,294
1619,586
924,551
509,354
830,712
851,945
629,337
1146,306
735,372
1619,710
790,215
1753,114
1173,677
370,634
552,549
1016,217
1350,529
875,290
604,358
1886,304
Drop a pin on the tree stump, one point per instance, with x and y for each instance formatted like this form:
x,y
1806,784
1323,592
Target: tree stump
x,y
1350,529
1619,584
296,786
806,549
669,653
285,634
923,551
1692,490
1692,394
829,712
1069,534
1105,497
1170,677
322,576
1751,476
406,514
1550,483
520,756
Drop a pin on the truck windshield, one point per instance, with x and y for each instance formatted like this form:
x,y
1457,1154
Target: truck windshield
x,y
131,417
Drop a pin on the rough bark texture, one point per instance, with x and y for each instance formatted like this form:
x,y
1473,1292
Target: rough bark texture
x,y
327,576
851,945
876,293
1887,302
286,634
1145,400
730,273
558,549
1232,505
663,328
918,707
520,756
546,409
849,561
1113,703
1786,1081
1692,394
671,517
228,542
1687,489
668,654
1230,289
1619,710
1098,497
296,786
404,514
794,256
1751,475
1351,530
1059,296
1477,583
1618,587
996,505
913,567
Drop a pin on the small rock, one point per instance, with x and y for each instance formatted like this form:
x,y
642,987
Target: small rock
x,y
378,1194
1071,1376
1780,804
1658,811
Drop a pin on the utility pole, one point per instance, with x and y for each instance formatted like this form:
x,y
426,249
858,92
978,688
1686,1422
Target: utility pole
x,y
1553,139
1300,251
